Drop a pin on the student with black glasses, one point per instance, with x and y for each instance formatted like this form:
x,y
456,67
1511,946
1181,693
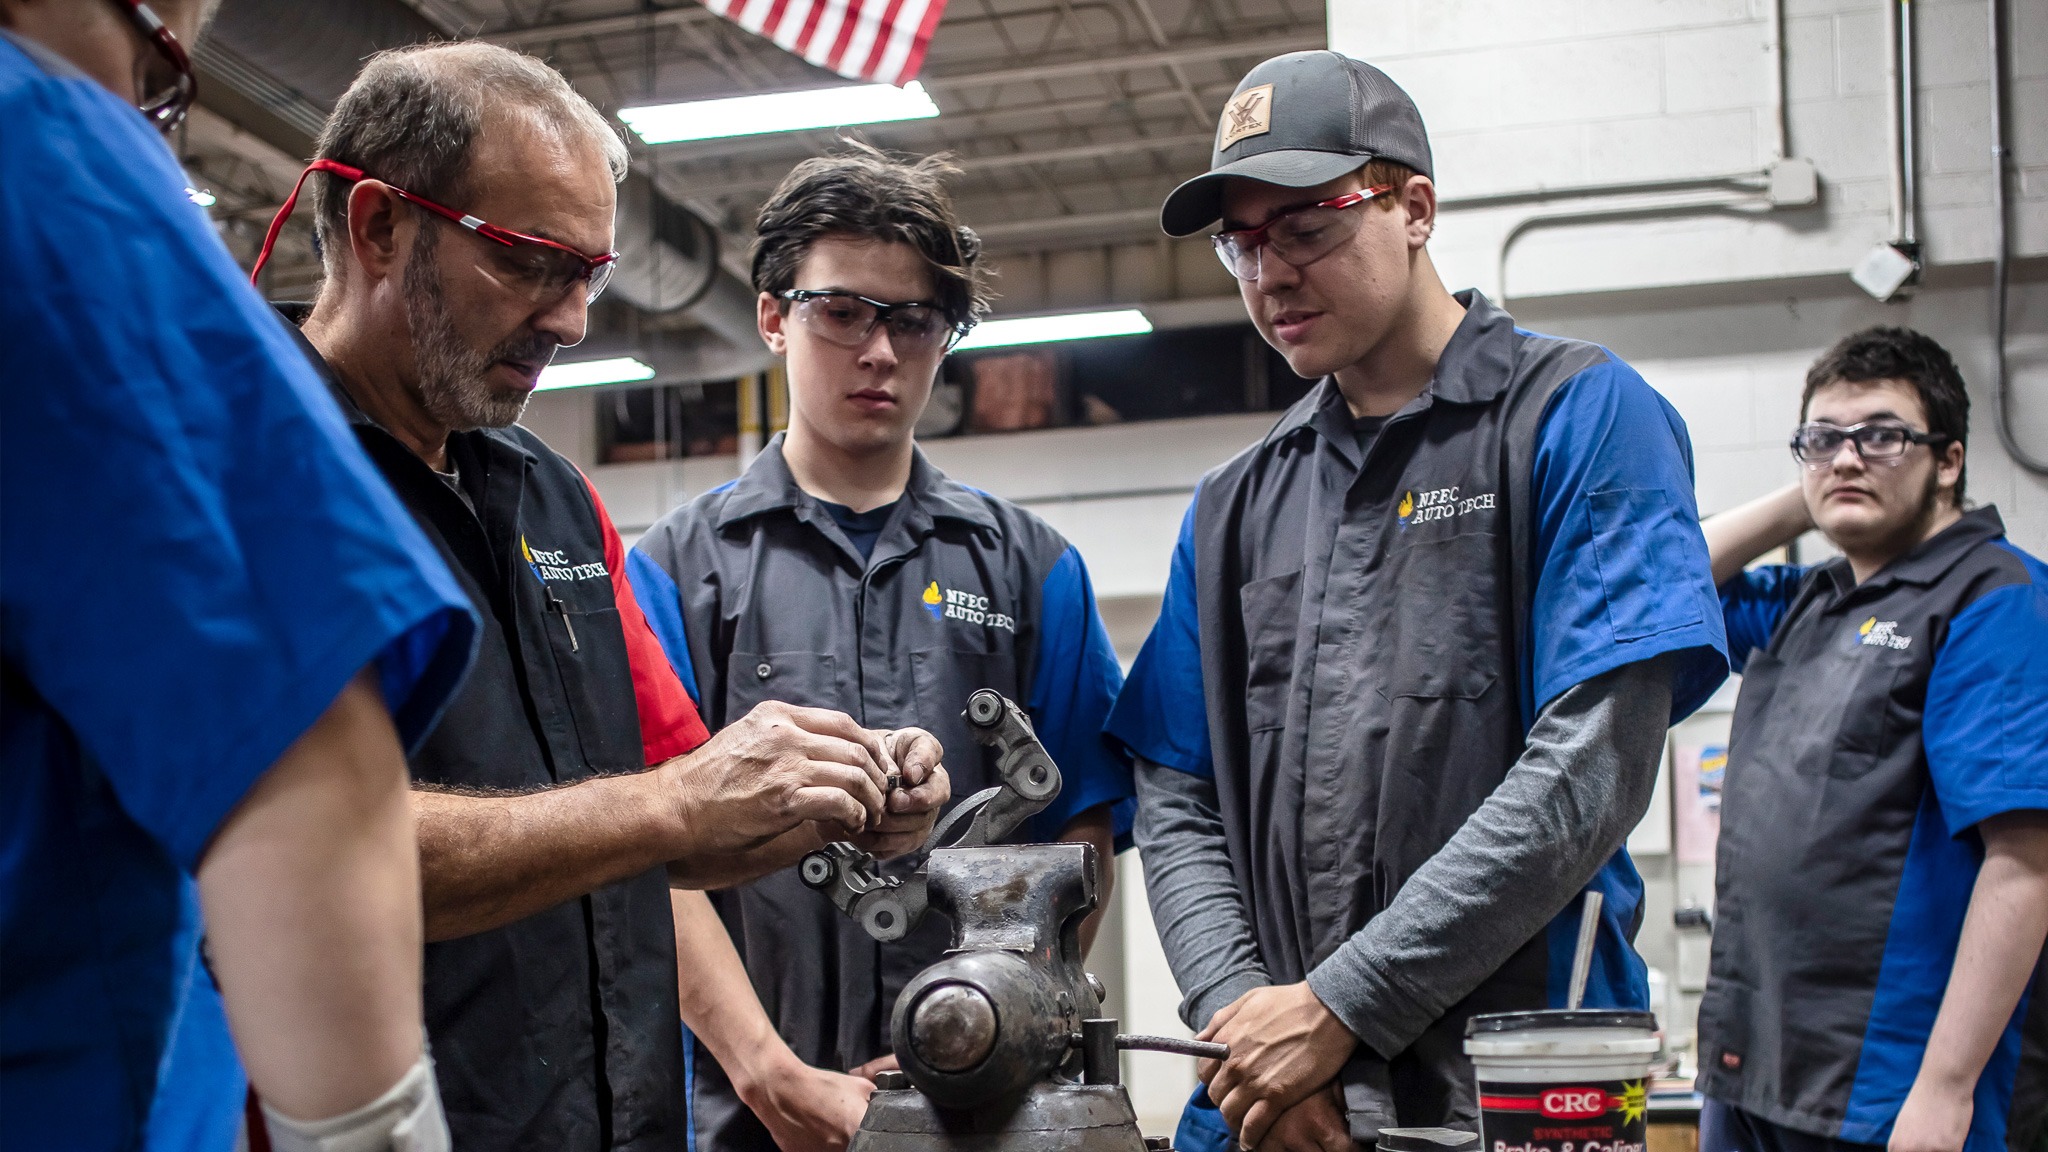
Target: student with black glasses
x,y
843,570
1882,884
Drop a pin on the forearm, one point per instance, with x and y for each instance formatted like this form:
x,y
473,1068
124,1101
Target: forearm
x,y
710,872
1583,781
1747,531
311,896
1095,827
1200,915
487,861
718,999
2002,936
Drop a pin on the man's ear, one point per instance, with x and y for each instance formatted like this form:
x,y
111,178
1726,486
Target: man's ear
x,y
1949,469
772,323
373,228
1418,200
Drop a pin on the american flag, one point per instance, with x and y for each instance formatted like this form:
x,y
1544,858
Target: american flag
x,y
881,41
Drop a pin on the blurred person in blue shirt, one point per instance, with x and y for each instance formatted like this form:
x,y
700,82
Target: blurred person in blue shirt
x,y
218,635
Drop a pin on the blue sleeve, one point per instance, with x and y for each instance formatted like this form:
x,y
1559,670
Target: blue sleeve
x,y
1161,714
200,556
1753,602
1621,570
1072,687
655,591
1986,721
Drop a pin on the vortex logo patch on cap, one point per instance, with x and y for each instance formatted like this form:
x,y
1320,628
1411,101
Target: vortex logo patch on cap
x,y
1249,113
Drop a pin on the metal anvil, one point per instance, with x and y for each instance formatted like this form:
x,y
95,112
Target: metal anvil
x,y
1000,1042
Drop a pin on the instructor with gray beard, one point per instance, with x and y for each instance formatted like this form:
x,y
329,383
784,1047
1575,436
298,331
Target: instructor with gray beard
x,y
464,197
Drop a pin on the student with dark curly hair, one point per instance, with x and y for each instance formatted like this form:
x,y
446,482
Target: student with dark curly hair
x,y
844,571
1882,887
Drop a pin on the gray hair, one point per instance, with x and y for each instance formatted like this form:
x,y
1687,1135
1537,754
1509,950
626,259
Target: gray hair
x,y
412,116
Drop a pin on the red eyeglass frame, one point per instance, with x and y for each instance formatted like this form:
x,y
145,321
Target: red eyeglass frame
x,y
592,265
1258,235
168,111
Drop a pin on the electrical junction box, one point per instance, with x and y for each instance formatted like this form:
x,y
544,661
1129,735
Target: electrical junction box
x,y
1885,271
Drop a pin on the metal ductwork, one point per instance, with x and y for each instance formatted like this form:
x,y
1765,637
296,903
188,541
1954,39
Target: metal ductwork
x,y
294,60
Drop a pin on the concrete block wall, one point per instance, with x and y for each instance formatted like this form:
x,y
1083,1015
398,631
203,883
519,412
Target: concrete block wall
x,y
1527,94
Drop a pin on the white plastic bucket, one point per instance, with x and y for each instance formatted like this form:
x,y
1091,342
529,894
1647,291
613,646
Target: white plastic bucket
x,y
1563,1081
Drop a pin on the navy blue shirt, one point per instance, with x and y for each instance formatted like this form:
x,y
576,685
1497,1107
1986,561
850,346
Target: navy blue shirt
x,y
198,560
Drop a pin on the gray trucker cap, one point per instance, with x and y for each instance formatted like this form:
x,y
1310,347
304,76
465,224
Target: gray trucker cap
x,y
1301,120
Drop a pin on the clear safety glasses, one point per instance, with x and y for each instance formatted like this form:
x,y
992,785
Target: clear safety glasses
x,y
538,269
1885,442
1299,236
170,77
850,320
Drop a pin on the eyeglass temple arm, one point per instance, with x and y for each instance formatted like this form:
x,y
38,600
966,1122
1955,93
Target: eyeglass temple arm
x,y
344,171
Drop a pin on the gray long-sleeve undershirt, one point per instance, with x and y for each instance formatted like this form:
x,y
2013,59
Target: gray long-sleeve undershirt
x,y
1583,781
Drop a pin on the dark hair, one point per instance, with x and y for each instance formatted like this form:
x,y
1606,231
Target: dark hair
x,y
412,115
1885,353
864,193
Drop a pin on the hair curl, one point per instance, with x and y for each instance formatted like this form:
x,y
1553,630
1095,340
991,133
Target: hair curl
x,y
864,193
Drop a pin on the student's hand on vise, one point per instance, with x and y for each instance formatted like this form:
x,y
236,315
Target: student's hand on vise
x,y
1284,1045
913,807
1315,1125
810,1109
1934,1118
773,769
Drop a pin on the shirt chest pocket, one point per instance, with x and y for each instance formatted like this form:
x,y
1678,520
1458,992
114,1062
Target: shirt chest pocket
x,y
1444,642
1837,714
806,679
1272,614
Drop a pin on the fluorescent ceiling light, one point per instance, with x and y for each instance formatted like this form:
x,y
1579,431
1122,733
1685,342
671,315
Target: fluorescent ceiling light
x,y
779,112
200,196
590,373
1046,329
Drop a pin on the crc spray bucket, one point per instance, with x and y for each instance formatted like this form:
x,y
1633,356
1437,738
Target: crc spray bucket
x,y
1563,1081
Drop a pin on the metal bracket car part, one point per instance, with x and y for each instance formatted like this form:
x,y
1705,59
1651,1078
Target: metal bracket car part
x,y
889,907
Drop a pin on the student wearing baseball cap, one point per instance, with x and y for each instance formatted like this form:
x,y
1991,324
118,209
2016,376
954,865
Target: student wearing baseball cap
x,y
1408,689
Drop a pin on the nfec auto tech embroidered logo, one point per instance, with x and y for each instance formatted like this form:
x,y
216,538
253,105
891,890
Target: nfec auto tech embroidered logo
x,y
1875,633
554,565
966,607
1438,504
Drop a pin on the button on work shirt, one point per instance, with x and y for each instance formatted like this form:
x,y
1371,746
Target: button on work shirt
x,y
758,593
1879,723
198,560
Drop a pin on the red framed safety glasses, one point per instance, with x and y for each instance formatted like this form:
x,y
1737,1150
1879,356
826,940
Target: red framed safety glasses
x,y
1300,236
535,267
167,108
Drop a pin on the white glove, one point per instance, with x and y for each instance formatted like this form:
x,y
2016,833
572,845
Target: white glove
x,y
408,1118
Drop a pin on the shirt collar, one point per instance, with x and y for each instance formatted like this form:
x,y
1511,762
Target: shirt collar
x,y
1931,560
1474,368
768,486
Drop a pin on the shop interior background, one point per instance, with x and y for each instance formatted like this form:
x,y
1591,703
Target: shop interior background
x,y
1690,182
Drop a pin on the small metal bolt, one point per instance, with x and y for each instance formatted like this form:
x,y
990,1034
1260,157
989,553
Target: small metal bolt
x,y
891,1081
764,670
